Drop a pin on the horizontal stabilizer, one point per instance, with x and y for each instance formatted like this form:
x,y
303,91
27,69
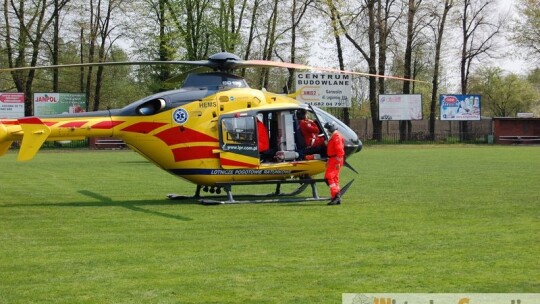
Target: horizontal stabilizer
x,y
35,134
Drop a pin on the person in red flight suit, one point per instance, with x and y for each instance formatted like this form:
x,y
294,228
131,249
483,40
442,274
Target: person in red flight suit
x,y
309,130
336,156
262,134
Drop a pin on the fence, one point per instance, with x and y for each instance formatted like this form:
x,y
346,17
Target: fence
x,y
445,132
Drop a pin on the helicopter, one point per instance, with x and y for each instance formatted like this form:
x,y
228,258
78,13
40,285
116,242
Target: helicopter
x,y
204,132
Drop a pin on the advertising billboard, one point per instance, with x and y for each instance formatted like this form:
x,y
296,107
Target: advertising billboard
x,y
460,107
324,89
400,107
58,103
11,105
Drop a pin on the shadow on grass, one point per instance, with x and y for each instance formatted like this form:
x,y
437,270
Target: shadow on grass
x,y
135,206
103,201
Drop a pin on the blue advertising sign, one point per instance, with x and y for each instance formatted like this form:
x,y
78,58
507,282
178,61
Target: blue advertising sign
x,y
459,107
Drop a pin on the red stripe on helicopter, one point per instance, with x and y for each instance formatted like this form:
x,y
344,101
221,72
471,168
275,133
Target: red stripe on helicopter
x,y
107,124
191,153
30,121
182,135
73,124
234,163
9,122
50,123
143,127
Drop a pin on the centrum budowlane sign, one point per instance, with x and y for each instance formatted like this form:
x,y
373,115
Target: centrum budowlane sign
x,y
324,89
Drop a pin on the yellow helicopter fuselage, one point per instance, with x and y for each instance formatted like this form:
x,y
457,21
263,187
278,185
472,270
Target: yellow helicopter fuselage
x,y
206,137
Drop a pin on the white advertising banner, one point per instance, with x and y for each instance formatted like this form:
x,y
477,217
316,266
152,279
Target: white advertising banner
x,y
11,105
400,107
324,89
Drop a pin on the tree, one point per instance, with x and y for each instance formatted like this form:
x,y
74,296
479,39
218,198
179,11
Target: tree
x,y
24,38
367,12
503,95
534,79
269,41
298,12
478,29
438,31
526,28
105,29
251,35
339,48
407,67
229,26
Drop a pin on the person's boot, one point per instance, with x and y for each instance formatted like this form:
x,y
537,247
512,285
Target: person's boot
x,y
336,200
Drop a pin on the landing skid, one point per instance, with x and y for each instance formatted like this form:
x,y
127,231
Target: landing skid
x,y
276,197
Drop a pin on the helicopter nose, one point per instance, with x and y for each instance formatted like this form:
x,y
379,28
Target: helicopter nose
x,y
359,147
353,146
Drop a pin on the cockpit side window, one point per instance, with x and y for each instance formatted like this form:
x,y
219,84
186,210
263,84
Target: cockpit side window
x,y
238,130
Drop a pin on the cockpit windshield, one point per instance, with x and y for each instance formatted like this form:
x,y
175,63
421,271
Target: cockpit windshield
x,y
343,128
215,81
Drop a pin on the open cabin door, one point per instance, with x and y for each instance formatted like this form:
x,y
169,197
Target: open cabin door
x,y
238,141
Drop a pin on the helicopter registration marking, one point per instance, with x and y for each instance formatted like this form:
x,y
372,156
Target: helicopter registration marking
x,y
180,116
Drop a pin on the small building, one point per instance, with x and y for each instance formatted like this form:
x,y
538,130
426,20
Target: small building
x,y
514,130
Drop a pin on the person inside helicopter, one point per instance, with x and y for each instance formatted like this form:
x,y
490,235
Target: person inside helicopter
x,y
311,134
266,152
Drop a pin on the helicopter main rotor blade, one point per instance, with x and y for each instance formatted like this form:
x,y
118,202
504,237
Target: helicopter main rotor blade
x,y
218,62
118,63
266,63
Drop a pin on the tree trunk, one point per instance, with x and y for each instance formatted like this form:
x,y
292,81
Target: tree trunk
x,y
333,17
94,25
373,102
477,32
30,33
104,33
55,54
251,33
435,84
403,130
269,43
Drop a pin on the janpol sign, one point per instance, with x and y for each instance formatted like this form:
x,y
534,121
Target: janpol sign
x,y
59,103
324,89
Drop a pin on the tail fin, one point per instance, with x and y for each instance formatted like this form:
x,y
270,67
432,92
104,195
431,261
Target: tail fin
x,y
35,134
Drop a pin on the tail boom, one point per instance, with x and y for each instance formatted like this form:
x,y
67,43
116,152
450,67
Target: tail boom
x,y
34,131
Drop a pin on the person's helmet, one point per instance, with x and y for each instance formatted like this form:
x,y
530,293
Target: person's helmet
x,y
301,114
330,126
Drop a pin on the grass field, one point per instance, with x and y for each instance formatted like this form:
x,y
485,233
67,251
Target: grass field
x,y
95,227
